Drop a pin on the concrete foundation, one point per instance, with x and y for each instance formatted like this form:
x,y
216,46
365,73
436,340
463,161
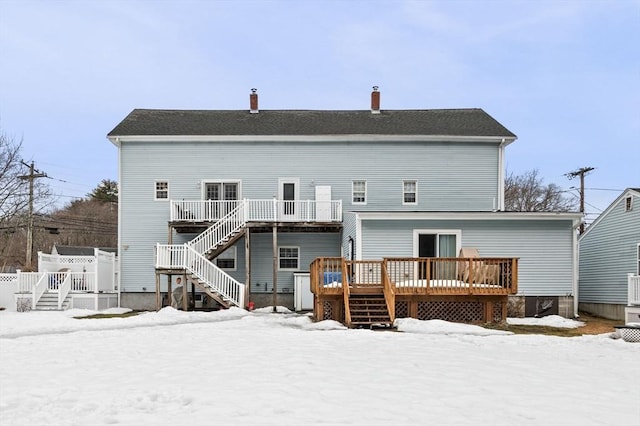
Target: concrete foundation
x,y
262,300
516,305
138,301
147,301
604,310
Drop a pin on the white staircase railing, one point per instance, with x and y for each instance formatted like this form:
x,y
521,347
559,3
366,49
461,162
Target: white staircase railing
x,y
173,256
230,289
220,231
38,290
231,218
63,290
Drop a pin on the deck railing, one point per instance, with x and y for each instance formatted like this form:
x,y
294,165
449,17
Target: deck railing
x,y
417,276
269,210
634,289
172,256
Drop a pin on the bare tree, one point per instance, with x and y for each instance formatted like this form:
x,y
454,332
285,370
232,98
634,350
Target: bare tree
x,y
13,191
528,193
15,197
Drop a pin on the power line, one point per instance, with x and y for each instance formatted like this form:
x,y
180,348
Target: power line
x,y
31,177
580,172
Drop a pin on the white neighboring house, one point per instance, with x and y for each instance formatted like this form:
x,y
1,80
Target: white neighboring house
x,y
609,282
69,277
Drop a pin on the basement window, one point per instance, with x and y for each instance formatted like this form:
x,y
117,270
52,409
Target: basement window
x,y
227,259
162,190
289,258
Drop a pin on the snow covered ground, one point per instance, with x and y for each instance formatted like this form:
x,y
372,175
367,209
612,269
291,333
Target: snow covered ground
x,y
258,368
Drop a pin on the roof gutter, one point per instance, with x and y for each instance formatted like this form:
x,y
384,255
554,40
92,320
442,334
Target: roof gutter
x,y
309,138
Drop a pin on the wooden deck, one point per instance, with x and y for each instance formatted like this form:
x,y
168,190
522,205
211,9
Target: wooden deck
x,y
452,289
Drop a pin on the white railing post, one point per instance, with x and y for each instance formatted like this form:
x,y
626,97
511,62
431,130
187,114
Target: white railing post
x,y
275,209
633,286
96,270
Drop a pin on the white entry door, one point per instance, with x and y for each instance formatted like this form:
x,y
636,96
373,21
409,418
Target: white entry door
x,y
323,203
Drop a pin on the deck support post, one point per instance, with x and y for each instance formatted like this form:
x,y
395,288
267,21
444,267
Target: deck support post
x,y
158,292
275,267
247,266
169,291
412,309
185,296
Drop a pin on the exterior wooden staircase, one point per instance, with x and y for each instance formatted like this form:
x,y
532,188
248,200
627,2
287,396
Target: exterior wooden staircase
x,y
368,311
223,300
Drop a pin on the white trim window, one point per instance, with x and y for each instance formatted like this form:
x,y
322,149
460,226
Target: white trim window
x,y
228,259
161,190
288,258
628,204
410,191
359,192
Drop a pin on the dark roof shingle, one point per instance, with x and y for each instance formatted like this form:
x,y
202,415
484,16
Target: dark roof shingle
x,y
445,122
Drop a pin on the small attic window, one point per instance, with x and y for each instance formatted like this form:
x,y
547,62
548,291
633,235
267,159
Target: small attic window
x,y
628,204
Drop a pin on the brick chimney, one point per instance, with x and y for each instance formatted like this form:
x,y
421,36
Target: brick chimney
x,y
375,101
253,101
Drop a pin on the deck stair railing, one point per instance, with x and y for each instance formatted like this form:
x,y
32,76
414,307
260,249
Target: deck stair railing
x,y
52,282
220,232
201,270
634,289
207,273
230,219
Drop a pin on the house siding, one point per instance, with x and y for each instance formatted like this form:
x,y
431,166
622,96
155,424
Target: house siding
x,y
311,245
608,252
544,247
453,177
349,230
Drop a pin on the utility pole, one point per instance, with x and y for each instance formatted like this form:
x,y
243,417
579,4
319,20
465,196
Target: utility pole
x,y
580,172
31,177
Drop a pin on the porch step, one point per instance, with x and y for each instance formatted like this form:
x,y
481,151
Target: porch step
x,y
49,302
369,311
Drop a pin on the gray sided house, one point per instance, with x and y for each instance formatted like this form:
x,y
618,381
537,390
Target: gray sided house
x,y
609,285
241,202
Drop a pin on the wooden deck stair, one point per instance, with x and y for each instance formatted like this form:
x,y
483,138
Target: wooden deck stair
x,y
369,311
223,301
225,243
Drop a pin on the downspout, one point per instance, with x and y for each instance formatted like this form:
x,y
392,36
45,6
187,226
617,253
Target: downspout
x,y
119,244
501,177
576,271
358,238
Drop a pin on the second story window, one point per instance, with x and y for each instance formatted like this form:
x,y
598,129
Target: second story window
x,y
628,204
162,190
410,192
359,192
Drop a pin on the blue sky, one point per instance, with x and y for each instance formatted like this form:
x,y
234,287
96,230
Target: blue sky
x,y
563,76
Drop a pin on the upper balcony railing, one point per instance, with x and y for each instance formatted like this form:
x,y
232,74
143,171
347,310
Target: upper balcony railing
x,y
272,210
